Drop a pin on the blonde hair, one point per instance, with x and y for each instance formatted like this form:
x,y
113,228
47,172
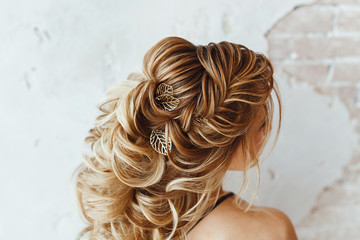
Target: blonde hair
x,y
127,190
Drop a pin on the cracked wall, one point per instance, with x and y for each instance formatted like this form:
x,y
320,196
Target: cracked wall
x,y
319,44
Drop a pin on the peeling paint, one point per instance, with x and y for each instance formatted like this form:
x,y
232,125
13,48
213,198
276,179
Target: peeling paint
x,y
310,225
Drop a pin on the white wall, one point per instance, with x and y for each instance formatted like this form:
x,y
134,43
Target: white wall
x,y
59,57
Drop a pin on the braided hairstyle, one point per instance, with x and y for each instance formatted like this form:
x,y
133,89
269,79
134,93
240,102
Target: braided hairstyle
x,y
126,189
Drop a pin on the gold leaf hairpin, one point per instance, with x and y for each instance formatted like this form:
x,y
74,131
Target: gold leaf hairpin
x,y
158,141
165,97
200,120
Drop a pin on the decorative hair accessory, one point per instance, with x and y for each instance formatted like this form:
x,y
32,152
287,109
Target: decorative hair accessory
x,y
166,99
200,120
158,141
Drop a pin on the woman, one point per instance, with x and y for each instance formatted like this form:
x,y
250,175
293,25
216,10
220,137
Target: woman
x,y
166,138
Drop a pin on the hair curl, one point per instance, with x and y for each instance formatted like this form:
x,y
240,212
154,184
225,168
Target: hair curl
x,y
125,189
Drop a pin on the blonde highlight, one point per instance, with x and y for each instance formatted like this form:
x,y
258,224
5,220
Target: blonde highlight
x,y
126,189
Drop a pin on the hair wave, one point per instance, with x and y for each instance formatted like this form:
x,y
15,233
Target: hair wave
x,y
125,189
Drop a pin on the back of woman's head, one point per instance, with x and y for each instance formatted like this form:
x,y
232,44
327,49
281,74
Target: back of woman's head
x,y
165,138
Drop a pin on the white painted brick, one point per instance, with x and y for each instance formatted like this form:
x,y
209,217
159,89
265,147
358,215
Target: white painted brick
x,y
312,73
304,20
348,21
314,48
336,214
347,72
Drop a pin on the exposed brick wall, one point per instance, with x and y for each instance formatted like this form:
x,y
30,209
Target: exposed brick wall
x,y
320,44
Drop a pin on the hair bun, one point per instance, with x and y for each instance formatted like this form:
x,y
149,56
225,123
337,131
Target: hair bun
x,y
197,102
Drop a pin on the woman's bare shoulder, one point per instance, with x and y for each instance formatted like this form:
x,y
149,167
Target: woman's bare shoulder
x,y
227,221
265,223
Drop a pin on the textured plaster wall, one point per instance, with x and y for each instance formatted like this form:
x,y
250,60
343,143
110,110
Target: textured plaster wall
x,y
324,52
59,57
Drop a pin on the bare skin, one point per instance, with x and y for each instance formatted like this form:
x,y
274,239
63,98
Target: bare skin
x,y
228,222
